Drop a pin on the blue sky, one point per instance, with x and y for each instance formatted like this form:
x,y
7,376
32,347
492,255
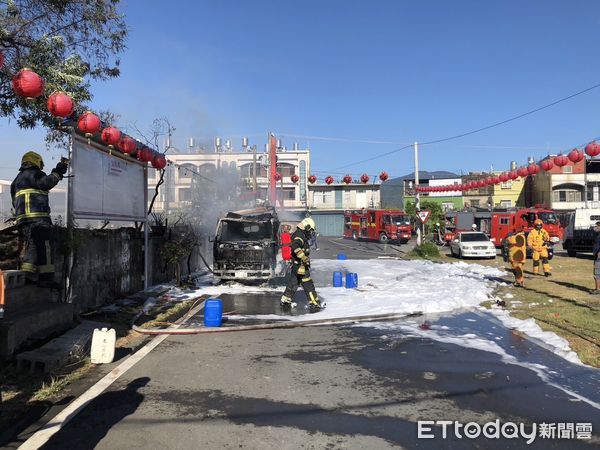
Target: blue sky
x,y
393,71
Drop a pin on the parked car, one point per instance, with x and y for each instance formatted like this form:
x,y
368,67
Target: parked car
x,y
472,244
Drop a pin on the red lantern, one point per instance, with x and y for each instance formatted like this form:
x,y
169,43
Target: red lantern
x,y
347,179
495,180
480,183
503,177
295,178
159,161
383,176
576,155
523,172
127,145
60,104
329,179
561,160
89,123
26,83
312,179
513,174
532,169
364,178
110,136
546,165
592,149
145,154
278,176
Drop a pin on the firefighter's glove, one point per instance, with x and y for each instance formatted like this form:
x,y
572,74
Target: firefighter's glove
x,y
61,169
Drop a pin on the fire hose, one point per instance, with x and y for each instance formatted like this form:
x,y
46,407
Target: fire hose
x,y
268,326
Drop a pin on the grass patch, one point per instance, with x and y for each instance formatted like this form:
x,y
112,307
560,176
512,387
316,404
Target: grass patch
x,y
20,390
170,315
560,303
425,250
56,384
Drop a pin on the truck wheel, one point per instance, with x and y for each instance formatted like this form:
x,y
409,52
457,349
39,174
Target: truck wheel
x,y
355,235
383,238
570,250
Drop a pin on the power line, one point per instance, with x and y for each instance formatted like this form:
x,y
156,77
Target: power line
x,y
478,130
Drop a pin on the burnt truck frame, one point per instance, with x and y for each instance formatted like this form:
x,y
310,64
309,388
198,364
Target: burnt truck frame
x,y
246,246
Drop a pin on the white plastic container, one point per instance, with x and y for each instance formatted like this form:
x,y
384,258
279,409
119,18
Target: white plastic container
x,y
103,346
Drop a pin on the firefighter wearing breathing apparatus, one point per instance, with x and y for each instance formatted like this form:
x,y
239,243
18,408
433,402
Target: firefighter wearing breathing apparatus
x,y
301,238
517,252
29,192
538,242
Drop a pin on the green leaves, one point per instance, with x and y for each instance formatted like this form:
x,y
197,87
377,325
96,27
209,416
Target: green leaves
x,y
67,42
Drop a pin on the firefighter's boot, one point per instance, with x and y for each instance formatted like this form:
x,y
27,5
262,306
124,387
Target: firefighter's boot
x,y
547,270
314,304
286,303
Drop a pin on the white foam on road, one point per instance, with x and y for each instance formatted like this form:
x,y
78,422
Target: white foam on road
x,y
391,286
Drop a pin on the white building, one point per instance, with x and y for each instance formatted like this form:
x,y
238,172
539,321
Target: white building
x,y
217,167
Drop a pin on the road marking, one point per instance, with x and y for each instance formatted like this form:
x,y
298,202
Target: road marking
x,y
41,437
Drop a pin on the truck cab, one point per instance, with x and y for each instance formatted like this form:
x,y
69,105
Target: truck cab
x,y
246,246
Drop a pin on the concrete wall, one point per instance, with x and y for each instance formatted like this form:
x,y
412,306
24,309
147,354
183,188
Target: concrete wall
x,y
109,264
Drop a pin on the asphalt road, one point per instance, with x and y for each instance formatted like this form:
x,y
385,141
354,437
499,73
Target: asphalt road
x,y
329,387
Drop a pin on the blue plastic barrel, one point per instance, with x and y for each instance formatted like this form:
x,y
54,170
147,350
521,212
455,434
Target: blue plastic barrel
x,y
337,279
351,280
213,312
341,256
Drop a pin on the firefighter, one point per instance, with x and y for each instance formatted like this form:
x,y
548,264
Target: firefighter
x,y
301,267
516,255
29,192
538,242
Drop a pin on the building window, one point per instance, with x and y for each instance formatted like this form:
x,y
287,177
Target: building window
x,y
566,196
505,203
186,171
506,185
475,203
567,169
347,198
286,169
289,193
323,197
447,206
185,195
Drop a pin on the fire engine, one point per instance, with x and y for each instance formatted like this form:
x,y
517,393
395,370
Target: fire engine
x,y
382,225
498,224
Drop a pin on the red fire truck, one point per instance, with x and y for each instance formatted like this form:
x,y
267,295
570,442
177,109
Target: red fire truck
x,y
382,225
497,224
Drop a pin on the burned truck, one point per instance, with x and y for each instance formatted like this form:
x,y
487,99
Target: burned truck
x,y
246,246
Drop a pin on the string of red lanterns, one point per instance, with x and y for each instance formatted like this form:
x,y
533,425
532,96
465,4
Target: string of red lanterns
x,y
28,84
592,149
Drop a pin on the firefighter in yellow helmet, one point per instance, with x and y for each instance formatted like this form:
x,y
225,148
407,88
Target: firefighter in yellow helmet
x,y
517,253
29,192
538,242
301,238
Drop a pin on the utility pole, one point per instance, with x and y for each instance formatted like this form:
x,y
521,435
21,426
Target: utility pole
x,y
417,199
254,187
